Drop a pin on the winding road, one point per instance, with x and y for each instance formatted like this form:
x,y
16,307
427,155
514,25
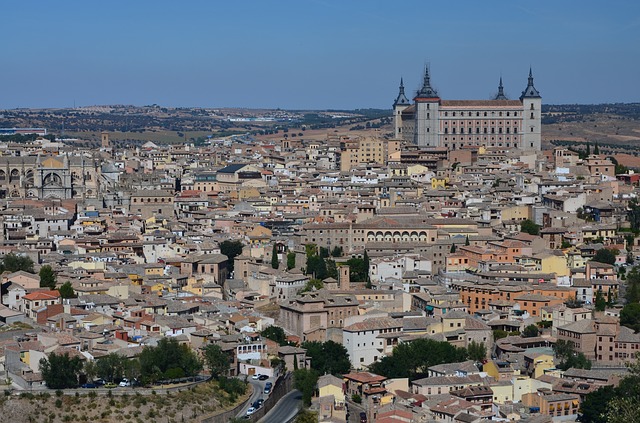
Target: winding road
x,y
285,409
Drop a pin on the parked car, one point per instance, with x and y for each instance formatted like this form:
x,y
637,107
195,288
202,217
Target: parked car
x,y
260,402
363,417
124,383
256,376
110,385
263,377
267,388
250,411
89,385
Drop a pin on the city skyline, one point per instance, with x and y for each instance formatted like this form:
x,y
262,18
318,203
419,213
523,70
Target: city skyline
x,y
315,55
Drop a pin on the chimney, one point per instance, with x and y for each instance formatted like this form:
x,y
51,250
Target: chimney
x,y
345,282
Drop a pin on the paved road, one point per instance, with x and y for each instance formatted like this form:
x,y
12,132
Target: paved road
x,y
258,389
285,409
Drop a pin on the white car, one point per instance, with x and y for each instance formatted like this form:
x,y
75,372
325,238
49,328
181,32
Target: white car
x,y
256,376
124,383
250,411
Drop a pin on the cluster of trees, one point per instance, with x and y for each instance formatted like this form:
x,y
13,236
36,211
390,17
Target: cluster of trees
x,y
276,334
614,405
15,262
413,359
326,358
167,361
320,264
528,226
606,255
569,358
231,249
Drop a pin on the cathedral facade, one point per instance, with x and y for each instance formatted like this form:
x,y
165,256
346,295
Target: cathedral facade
x,y
41,177
499,122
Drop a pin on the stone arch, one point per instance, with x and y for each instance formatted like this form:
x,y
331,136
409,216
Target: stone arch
x,y
15,194
52,179
32,194
3,175
29,178
414,236
14,176
423,236
405,236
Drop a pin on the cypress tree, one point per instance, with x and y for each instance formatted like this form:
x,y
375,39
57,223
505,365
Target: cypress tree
x,y
274,258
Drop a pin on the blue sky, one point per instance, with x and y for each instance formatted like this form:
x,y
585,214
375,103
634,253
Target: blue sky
x,y
313,54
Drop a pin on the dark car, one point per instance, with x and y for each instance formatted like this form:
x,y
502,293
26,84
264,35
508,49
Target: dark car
x,y
89,385
260,402
263,377
363,417
267,388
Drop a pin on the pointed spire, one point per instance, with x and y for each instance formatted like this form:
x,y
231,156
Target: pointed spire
x,y
530,91
500,95
401,99
427,91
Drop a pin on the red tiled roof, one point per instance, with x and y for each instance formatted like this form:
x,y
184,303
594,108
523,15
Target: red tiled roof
x,y
42,295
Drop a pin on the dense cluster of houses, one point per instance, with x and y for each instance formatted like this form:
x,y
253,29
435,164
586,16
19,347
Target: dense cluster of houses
x,y
138,234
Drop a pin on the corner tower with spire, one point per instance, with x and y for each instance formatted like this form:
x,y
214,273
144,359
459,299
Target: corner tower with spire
x,y
532,116
500,95
427,103
399,105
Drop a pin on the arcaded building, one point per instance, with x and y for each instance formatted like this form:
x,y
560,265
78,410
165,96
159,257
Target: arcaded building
x,y
499,122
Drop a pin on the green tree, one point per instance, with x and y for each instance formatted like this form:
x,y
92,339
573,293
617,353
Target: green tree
x,y
530,331
328,357
588,150
217,360
600,302
66,290
528,226
59,371
337,252
453,248
632,294
291,260
332,269
14,262
324,252
231,249
466,241
158,362
413,359
606,255
596,150
313,284
307,416
305,381
357,270
90,370
275,263
316,267
594,407
47,277
569,358
633,214
477,351
366,264
111,367
499,334
276,334
630,316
